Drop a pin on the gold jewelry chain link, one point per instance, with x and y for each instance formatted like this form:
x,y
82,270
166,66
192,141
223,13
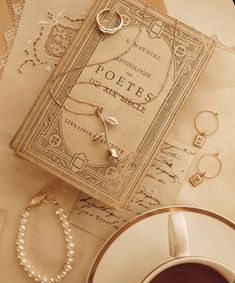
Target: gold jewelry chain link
x,y
104,86
98,109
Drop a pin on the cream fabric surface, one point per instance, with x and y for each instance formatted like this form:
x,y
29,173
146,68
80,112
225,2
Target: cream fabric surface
x,y
20,180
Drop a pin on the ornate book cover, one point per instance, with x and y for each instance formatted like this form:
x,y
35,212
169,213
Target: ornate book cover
x,y
119,91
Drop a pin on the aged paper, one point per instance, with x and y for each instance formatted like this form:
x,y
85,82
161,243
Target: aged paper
x,y
133,90
215,91
159,187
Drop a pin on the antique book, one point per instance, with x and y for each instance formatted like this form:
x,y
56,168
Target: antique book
x,y
113,94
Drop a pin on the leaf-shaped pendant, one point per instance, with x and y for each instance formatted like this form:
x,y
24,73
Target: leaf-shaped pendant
x,y
113,155
99,137
111,121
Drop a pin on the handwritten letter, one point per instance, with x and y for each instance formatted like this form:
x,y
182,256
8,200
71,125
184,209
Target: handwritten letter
x,y
159,187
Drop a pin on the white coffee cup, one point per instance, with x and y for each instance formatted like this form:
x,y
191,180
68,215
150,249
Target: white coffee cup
x,y
179,251
177,235
222,269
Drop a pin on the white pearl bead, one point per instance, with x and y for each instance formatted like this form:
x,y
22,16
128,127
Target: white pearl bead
x,y
69,260
27,267
62,220
65,225
23,221
25,214
20,241
32,273
38,277
23,261
71,245
22,254
71,253
58,279
69,238
21,235
68,267
69,256
67,231
22,228
20,248
63,274
19,256
52,280
44,280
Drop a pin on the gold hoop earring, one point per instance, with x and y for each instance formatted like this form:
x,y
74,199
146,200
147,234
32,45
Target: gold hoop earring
x,y
197,178
109,30
202,133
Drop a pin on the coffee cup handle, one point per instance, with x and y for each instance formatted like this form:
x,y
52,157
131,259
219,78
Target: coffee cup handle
x,y
177,235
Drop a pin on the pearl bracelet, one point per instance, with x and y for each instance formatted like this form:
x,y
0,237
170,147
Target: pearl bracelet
x,y
45,196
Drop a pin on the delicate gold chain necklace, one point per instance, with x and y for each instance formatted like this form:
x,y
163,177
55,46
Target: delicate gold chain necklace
x,y
99,109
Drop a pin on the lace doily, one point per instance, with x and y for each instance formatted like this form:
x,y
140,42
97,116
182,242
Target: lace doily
x,y
16,8
54,36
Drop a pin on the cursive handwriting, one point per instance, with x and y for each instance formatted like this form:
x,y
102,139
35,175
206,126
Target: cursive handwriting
x,y
159,187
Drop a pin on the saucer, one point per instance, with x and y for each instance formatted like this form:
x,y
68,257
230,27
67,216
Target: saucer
x,y
142,244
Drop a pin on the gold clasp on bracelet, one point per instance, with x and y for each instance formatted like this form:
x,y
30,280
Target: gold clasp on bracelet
x,y
46,195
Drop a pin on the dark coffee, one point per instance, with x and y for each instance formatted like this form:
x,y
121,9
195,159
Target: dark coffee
x,y
189,273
